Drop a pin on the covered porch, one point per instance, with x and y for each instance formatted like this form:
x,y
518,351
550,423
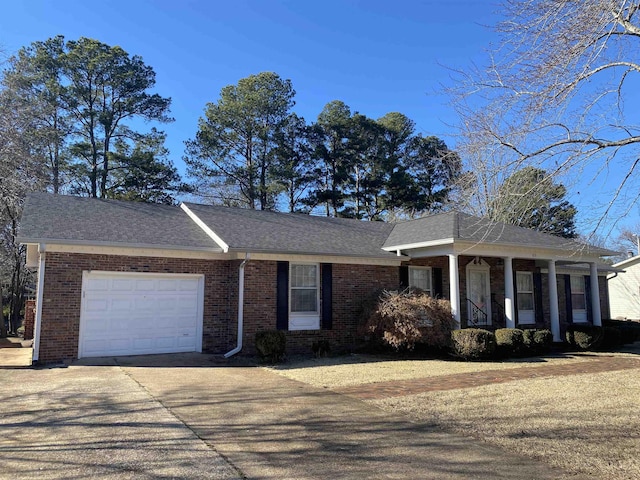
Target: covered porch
x,y
500,276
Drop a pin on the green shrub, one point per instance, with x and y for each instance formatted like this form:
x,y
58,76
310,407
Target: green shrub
x,y
584,337
404,319
271,345
510,342
473,344
542,341
629,330
321,348
527,339
611,338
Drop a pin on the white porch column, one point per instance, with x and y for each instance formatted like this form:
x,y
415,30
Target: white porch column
x,y
553,302
454,287
509,311
595,295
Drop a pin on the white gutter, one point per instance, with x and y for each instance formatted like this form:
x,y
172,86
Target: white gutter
x,y
39,297
231,353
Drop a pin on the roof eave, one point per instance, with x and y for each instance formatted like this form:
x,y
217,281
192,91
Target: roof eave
x,y
95,243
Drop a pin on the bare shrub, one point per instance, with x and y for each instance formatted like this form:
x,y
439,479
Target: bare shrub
x,y
406,318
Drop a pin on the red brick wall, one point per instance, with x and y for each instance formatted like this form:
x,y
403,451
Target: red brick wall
x,y
350,285
29,318
63,284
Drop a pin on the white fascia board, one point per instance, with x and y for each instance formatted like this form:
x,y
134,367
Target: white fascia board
x,y
135,251
412,246
522,251
213,235
318,258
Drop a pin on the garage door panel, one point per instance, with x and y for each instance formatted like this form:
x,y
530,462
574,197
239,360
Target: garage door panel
x,y
130,314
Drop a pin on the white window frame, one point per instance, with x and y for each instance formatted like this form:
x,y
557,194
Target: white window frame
x,y
579,314
527,317
429,276
305,320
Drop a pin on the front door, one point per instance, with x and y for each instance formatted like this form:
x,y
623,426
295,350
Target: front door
x,y
478,294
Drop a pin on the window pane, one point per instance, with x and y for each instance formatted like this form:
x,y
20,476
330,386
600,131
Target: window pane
x,y
577,284
578,302
420,278
525,301
524,282
303,275
304,300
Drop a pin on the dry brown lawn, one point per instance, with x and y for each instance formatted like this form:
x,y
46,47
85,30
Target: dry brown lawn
x,y
586,424
335,372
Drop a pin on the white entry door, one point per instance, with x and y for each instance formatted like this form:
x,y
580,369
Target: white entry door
x,y
140,313
479,294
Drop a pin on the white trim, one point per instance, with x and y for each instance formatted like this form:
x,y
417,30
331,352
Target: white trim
x,y
454,288
409,246
136,252
221,243
319,258
219,255
305,320
200,294
39,299
509,300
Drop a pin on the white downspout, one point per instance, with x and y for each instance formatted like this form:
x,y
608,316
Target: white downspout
x,y
39,297
230,353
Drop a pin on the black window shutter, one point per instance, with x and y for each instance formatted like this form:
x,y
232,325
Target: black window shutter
x,y
537,296
437,283
282,296
567,296
327,296
404,276
587,297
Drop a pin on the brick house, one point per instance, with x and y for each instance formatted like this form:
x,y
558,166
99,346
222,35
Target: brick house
x,y
123,278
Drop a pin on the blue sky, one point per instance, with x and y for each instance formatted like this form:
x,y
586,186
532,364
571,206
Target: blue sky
x,y
377,56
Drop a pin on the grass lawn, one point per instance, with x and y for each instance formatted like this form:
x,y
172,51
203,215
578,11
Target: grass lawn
x,y
582,423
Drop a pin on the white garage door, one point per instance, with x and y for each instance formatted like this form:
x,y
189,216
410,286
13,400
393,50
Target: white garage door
x,y
140,313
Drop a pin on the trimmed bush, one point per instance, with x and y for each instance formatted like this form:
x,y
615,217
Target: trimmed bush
x,y
403,319
527,339
542,341
611,338
473,344
629,330
584,337
271,345
510,342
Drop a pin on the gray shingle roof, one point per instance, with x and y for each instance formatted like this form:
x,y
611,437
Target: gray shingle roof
x,y
464,227
66,219
260,231
76,220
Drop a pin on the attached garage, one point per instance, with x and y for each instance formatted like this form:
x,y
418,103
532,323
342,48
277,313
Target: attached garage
x,y
140,313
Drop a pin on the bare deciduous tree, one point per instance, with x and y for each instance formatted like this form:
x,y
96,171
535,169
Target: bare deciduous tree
x,y
553,96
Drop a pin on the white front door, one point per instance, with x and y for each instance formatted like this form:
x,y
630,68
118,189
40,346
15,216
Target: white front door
x,y
140,313
479,293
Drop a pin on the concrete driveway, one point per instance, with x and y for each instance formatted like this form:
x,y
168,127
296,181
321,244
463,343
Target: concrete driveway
x,y
192,416
95,422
